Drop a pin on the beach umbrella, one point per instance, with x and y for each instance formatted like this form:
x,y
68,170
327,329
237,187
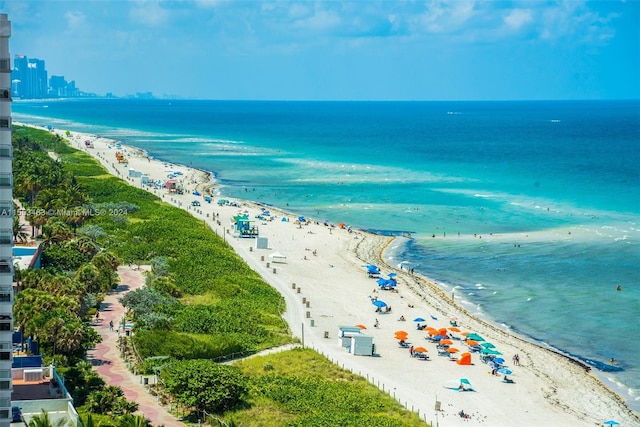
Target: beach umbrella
x,y
489,351
442,331
392,274
487,345
452,350
401,332
464,381
372,269
420,350
438,337
498,360
430,328
475,337
465,333
432,331
418,319
611,423
361,326
472,343
505,371
454,329
446,342
379,303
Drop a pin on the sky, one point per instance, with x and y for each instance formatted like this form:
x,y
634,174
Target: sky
x,y
337,50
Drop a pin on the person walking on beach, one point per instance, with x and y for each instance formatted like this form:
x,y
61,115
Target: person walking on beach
x,y
111,325
411,351
377,324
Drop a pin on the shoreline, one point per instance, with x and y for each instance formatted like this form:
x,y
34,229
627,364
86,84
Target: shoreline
x,y
425,290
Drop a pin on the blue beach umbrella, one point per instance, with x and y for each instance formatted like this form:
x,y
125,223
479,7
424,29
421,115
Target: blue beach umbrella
x,y
489,351
505,371
379,303
474,337
418,319
498,360
392,274
611,423
372,269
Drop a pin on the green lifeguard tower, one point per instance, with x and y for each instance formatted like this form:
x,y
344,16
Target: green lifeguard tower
x,y
245,227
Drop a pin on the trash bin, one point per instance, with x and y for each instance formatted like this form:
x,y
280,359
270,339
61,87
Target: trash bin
x,y
146,381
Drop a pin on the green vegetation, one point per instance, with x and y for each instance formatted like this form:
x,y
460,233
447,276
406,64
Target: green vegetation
x,y
199,302
204,384
302,388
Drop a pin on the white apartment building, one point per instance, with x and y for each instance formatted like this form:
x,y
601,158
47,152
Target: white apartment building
x,y
6,225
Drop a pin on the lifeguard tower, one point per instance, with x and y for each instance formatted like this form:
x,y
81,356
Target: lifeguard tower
x,y
245,227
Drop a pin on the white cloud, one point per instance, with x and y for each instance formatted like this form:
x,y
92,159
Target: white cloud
x,y
205,4
321,20
444,16
518,18
75,20
149,13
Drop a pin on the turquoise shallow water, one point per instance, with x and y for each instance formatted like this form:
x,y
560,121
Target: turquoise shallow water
x,y
551,187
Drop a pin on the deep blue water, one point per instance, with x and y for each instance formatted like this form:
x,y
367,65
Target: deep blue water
x,y
551,191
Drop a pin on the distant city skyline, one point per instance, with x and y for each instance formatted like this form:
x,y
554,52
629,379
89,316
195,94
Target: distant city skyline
x,y
30,80
337,50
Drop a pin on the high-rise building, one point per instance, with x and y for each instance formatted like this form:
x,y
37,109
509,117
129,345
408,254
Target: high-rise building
x,y
6,226
29,78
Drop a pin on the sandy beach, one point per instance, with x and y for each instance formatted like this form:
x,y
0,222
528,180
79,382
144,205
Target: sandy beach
x,y
325,285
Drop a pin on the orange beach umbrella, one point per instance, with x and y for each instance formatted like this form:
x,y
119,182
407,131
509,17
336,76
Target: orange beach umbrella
x,y
420,350
446,342
452,350
361,326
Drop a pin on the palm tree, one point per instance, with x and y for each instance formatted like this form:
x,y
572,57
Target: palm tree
x,y
129,420
56,231
33,183
42,420
19,235
89,276
87,246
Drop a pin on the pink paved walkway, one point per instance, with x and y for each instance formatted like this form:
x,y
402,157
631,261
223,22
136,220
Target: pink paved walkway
x,y
106,359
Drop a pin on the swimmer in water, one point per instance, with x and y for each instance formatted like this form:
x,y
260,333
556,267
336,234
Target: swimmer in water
x,y
618,288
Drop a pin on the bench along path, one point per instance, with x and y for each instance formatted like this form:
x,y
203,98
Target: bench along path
x,y
106,360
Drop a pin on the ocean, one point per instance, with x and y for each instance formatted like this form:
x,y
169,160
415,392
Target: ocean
x,y
528,211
